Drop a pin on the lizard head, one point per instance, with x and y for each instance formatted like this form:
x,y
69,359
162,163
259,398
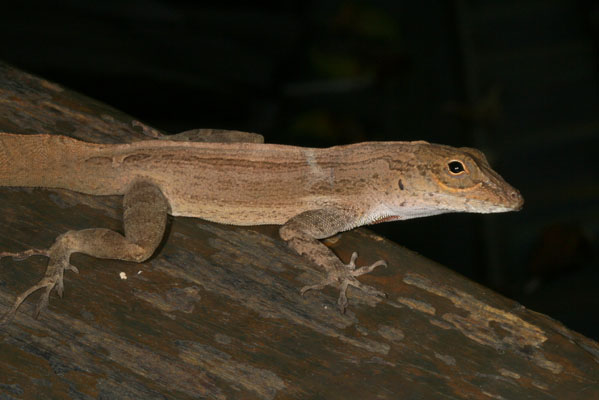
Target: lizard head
x,y
444,179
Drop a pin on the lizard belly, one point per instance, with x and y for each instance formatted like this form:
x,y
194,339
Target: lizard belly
x,y
241,208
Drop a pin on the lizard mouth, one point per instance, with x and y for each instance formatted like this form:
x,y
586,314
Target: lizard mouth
x,y
505,207
385,219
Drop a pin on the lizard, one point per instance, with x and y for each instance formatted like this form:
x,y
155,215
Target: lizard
x,y
232,177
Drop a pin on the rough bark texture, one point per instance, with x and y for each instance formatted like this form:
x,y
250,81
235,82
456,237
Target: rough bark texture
x,y
216,312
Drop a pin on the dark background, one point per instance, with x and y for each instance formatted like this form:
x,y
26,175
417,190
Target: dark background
x,y
517,79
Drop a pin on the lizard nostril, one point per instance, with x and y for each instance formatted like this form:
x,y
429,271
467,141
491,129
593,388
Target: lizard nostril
x,y
517,198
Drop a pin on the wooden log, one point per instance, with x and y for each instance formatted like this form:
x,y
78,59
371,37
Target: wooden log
x,y
216,312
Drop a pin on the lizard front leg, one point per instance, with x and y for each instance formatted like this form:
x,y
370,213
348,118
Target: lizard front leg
x,y
145,213
302,233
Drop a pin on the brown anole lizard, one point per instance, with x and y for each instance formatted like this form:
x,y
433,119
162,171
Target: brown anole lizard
x,y
236,179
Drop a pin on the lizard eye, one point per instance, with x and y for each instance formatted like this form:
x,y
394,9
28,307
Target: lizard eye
x,y
456,167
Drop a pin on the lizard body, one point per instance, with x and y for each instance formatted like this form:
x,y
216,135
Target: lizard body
x,y
313,193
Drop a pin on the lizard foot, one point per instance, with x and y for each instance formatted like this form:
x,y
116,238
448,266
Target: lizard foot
x,y
53,278
346,276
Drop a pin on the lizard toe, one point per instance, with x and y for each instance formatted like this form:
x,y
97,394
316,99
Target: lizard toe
x,y
319,286
23,255
342,300
368,268
44,300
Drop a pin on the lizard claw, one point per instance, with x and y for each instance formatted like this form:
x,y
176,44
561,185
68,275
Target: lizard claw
x,y
53,278
344,277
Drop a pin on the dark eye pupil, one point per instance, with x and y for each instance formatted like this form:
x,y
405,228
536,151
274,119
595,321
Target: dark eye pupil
x,y
456,167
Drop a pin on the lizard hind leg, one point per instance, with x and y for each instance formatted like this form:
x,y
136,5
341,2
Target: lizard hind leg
x,y
145,213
